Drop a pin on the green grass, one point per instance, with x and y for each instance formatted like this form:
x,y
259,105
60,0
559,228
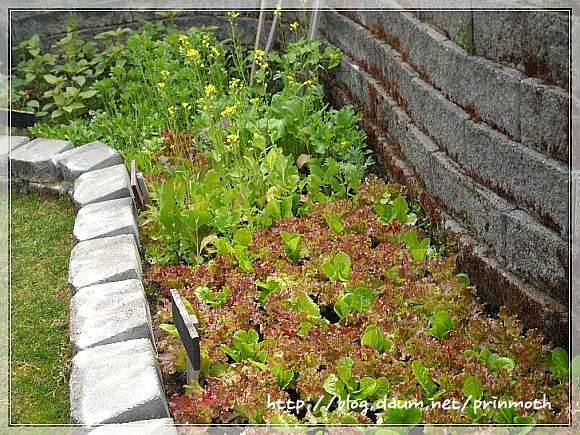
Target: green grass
x,y
41,239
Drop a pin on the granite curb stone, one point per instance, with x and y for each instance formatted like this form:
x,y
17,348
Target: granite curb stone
x,y
102,185
106,219
35,160
89,157
104,260
116,383
109,313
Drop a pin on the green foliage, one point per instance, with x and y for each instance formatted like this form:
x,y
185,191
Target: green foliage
x,y
344,385
430,387
461,38
215,301
246,345
291,242
338,268
559,364
494,360
375,338
396,209
442,325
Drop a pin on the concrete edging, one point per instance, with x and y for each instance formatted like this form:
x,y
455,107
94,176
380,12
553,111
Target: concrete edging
x,y
115,379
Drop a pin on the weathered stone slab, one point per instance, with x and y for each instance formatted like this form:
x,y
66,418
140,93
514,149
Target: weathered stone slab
x,y
158,426
34,161
109,313
102,185
106,219
116,383
99,261
89,157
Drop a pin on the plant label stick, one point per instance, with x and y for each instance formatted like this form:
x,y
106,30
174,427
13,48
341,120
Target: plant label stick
x,y
186,325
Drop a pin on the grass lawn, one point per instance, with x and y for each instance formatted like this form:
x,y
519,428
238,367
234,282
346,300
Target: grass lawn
x,y
41,239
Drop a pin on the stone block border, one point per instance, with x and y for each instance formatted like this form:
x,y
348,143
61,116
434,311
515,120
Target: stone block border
x,y
115,379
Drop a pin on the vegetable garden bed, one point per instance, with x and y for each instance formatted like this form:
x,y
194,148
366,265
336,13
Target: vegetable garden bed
x,y
320,300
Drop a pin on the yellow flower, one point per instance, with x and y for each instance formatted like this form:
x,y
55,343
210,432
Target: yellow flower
x,y
228,110
234,82
290,79
192,52
278,10
258,55
209,89
343,144
171,110
160,85
232,138
233,14
265,65
334,55
294,25
186,105
183,38
254,100
165,73
215,51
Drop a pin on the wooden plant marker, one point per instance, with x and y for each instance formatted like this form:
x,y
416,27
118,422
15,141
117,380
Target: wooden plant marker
x,y
136,187
186,325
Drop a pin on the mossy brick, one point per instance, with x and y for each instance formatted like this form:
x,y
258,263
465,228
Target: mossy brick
x,y
157,426
104,260
116,383
35,160
106,219
109,313
89,157
102,185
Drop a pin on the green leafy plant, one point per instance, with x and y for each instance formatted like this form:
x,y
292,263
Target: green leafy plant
x,y
430,387
358,299
246,345
559,364
461,38
494,360
338,268
442,325
344,385
291,242
215,301
396,209
375,338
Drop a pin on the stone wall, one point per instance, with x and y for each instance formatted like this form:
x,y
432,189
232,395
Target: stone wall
x,y
482,139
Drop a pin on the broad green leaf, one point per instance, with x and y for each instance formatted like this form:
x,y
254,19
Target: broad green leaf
x,y
442,325
420,372
367,387
243,237
382,388
472,387
170,329
374,337
349,419
307,304
333,386
362,299
341,308
463,278
503,362
343,368
403,413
